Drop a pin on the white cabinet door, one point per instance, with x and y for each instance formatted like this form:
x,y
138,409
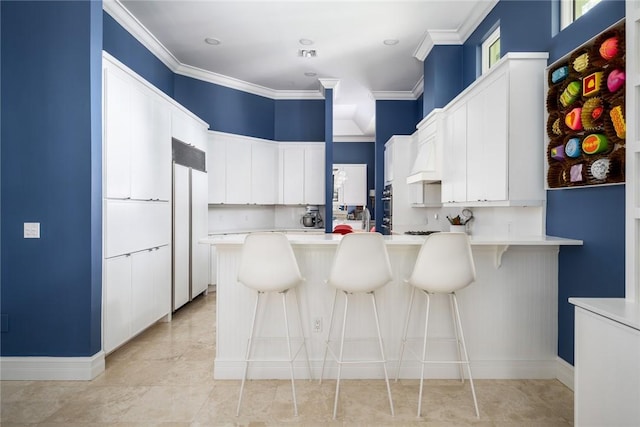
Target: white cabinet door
x,y
117,302
199,230
314,176
217,169
264,176
143,292
117,138
454,168
162,282
187,129
181,241
607,378
487,149
238,177
133,225
150,146
292,164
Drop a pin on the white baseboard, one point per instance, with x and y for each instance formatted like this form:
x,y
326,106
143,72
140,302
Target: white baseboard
x,y
493,369
52,368
564,372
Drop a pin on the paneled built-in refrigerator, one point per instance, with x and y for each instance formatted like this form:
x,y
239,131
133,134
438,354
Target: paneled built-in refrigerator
x,y
190,217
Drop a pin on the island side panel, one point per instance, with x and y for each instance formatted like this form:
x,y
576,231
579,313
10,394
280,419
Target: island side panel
x,y
509,315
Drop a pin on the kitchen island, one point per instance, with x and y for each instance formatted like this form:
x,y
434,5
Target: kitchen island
x,y
509,313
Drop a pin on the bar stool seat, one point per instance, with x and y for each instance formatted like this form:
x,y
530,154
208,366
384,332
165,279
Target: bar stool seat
x,y
444,265
268,264
360,266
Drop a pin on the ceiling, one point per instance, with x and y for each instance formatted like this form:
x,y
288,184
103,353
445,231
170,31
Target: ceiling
x,y
259,43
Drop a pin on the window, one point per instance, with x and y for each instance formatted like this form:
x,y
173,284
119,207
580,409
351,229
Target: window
x,y
570,10
491,50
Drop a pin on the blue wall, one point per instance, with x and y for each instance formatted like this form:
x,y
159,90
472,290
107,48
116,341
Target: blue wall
x,y
227,110
595,215
51,173
299,120
122,45
442,76
597,268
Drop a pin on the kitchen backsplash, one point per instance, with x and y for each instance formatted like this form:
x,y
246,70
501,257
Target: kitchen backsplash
x,y
254,217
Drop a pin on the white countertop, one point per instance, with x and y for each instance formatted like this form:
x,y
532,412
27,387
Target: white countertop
x,y
333,239
617,309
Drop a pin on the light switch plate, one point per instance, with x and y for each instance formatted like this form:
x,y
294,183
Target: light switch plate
x,y
31,230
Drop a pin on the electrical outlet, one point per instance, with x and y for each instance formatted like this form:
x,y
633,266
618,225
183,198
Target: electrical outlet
x,y
317,324
31,230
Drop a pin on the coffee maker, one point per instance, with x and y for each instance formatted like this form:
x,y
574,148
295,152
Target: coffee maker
x,y
312,218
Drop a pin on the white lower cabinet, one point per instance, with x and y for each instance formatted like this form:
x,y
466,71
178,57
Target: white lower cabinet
x,y
607,372
137,293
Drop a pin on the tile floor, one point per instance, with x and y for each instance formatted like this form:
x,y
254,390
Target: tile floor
x,y
164,377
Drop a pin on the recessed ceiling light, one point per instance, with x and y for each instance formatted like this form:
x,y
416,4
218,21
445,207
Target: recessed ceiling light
x,y
311,53
306,42
391,42
212,41
310,74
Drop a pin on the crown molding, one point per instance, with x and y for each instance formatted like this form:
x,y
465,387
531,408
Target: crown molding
x,y
129,22
327,83
140,32
383,95
354,138
454,37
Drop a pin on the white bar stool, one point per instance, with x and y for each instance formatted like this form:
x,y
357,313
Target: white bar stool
x,y
444,266
268,264
360,265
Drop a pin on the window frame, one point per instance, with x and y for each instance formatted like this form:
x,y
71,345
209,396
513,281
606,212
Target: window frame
x,y
486,45
567,12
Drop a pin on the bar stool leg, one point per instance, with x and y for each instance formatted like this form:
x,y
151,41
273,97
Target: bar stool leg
x,y
457,336
384,360
304,339
466,355
406,329
248,353
286,327
424,351
326,345
344,327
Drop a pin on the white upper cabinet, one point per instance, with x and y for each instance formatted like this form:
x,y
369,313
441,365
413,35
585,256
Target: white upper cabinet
x,y
292,175
454,167
492,136
150,147
487,144
188,128
314,175
217,169
137,139
264,176
302,175
238,179
117,137
242,170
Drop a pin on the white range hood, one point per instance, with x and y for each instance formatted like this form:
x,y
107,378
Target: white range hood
x,y
427,166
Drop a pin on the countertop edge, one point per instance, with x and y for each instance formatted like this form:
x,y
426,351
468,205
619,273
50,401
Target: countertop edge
x,y
333,239
619,310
